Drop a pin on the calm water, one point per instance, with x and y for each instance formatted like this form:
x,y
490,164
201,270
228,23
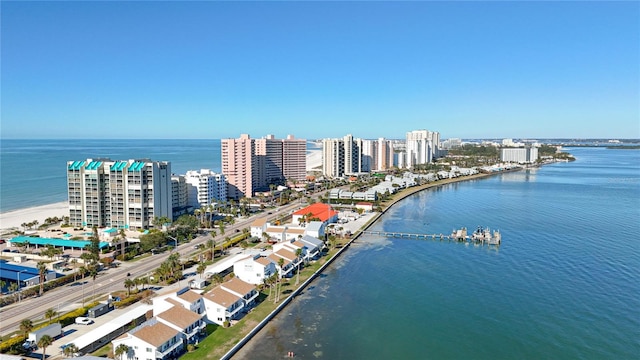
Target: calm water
x,y
33,172
565,284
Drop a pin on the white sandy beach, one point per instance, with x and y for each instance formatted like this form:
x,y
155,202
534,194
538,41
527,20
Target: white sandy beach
x,y
314,159
13,219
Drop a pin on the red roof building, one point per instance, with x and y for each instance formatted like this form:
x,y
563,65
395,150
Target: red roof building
x,y
320,211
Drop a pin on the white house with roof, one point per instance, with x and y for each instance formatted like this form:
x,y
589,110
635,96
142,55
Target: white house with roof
x,y
313,247
187,322
152,340
254,269
186,298
222,305
290,261
315,229
245,290
258,226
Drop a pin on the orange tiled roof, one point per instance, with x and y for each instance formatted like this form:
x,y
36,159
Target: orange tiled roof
x,y
318,210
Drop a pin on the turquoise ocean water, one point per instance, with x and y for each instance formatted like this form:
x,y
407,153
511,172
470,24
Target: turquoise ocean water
x,y
565,284
33,172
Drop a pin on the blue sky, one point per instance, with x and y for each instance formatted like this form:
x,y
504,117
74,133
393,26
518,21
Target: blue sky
x,y
320,69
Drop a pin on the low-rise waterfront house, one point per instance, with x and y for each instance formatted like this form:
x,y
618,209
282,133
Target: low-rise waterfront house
x,y
185,297
183,320
315,229
313,247
245,290
152,340
290,261
254,269
222,306
258,227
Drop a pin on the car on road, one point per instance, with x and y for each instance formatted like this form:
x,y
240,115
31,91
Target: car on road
x,y
82,320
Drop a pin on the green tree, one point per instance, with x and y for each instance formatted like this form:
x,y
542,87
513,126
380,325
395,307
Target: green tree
x,y
82,271
279,279
128,284
298,255
70,350
50,314
42,271
44,342
121,350
201,268
93,273
26,326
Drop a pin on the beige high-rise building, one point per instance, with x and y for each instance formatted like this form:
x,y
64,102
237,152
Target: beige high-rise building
x,y
294,158
119,194
252,165
238,164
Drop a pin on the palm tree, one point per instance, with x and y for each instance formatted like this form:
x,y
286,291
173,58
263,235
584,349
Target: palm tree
x,y
42,271
128,284
144,281
83,271
26,326
298,254
70,350
211,244
93,272
121,350
201,268
217,279
2,285
123,240
50,314
279,283
44,342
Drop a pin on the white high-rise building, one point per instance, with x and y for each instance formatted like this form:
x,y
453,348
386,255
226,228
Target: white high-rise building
x,y
120,194
421,147
526,154
179,196
205,187
342,157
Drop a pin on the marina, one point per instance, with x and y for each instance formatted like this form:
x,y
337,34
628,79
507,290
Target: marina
x,y
481,235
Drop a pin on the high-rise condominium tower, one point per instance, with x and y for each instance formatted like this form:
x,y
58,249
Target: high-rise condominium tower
x,y
120,194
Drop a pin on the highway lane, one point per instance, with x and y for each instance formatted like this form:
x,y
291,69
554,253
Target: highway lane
x,y
113,279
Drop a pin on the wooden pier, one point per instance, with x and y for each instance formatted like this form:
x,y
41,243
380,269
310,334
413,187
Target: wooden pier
x,y
480,236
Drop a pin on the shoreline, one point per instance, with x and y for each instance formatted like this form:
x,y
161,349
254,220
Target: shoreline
x,y
12,220
244,343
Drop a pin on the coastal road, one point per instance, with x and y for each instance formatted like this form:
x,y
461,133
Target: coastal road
x,y
112,279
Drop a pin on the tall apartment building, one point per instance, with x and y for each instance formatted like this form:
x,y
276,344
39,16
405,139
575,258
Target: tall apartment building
x,y
333,157
344,156
179,196
294,158
205,187
252,165
120,194
421,147
384,152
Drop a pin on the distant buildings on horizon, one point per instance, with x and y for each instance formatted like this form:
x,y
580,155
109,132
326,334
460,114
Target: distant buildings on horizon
x,y
132,193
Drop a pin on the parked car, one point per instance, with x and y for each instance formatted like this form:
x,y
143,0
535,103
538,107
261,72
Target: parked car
x,y
82,320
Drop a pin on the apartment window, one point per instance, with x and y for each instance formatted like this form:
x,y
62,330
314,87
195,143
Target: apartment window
x,y
149,350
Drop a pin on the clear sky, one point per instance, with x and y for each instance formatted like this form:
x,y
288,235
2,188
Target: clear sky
x,y
320,69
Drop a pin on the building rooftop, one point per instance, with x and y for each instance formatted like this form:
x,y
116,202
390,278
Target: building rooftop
x,y
238,286
156,333
221,297
190,296
180,316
